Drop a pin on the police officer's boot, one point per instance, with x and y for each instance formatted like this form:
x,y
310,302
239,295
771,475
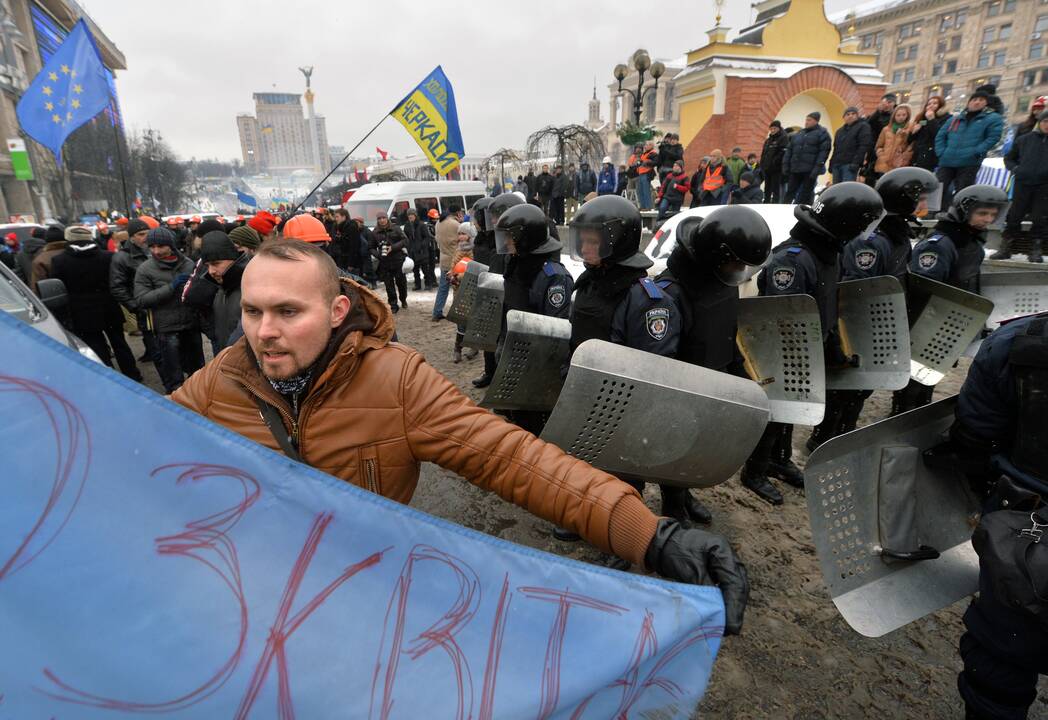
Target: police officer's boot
x,y
758,482
1006,247
755,471
680,504
1034,255
456,355
489,371
781,465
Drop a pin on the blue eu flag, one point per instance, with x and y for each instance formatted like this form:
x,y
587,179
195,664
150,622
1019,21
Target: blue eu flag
x,y
70,90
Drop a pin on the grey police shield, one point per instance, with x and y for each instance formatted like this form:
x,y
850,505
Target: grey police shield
x,y
874,332
1014,294
872,501
780,338
641,416
467,290
484,324
534,352
949,320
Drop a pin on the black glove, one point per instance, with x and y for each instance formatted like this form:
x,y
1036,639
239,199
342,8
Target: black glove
x,y
179,280
694,556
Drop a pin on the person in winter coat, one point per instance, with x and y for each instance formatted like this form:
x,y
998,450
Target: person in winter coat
x,y
532,184
420,250
893,148
805,160
562,184
54,243
608,179
622,179
94,315
390,248
585,183
736,165
714,187
850,146
670,151
24,257
877,120
1030,121
748,192
993,101
642,165
672,191
467,234
225,266
962,144
544,189
772,154
923,131
132,253
158,290
696,181
1028,162
446,235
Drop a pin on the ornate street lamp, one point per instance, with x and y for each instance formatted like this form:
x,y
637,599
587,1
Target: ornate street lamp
x,y
642,63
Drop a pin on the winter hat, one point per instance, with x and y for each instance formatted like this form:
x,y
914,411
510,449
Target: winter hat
x,y
979,94
216,245
207,226
468,228
747,176
246,237
78,235
1042,116
38,232
851,109
160,236
988,88
815,115
54,233
775,123
136,226
263,222
307,228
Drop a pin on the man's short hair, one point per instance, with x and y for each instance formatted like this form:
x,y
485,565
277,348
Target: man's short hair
x,y
890,96
343,212
452,209
292,250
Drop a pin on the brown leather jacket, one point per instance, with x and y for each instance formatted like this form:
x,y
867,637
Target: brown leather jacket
x,y
376,410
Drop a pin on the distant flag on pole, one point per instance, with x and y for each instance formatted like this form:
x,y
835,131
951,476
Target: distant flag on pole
x,y
383,153
246,199
67,92
428,113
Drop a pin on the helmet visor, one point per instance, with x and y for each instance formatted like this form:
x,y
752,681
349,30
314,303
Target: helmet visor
x,y
734,272
592,243
491,218
987,215
506,240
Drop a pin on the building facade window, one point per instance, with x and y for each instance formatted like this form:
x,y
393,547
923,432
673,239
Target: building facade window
x,y
1036,50
910,29
951,66
1042,23
989,35
1005,32
906,53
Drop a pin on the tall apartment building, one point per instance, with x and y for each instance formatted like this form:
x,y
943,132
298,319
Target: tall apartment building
x,y
276,138
950,47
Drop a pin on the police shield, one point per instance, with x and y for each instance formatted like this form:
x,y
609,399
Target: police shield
x,y
1014,294
641,416
484,324
947,320
528,376
892,534
467,290
780,338
874,333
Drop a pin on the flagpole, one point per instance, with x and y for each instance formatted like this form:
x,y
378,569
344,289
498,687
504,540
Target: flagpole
x,y
120,159
339,164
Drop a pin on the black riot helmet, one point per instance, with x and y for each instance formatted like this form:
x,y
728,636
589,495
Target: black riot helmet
x,y
478,213
499,205
901,189
523,230
977,197
734,241
607,229
842,212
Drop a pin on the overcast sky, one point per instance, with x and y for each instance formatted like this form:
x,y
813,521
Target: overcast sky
x,y
515,67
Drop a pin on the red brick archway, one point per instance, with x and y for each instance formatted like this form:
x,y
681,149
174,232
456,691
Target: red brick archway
x,y
752,103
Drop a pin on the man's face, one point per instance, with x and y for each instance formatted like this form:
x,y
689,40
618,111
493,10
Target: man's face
x,y
160,251
590,246
1043,124
977,103
922,206
217,268
850,117
886,105
139,238
736,154
382,221
545,168
773,130
810,122
982,218
342,217
287,320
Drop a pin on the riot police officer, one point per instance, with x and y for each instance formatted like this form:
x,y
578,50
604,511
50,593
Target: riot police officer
x,y
952,254
999,441
492,212
712,257
886,251
484,244
535,281
807,264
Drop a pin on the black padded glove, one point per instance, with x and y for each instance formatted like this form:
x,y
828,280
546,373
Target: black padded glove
x,y
694,556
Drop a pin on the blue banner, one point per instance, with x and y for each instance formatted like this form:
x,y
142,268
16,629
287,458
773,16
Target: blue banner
x,y
154,563
248,200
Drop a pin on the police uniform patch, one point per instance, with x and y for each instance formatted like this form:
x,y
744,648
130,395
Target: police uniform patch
x,y
927,260
556,296
865,258
657,321
782,277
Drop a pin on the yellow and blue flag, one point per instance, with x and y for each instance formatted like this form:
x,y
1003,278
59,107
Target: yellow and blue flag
x,y
67,92
429,114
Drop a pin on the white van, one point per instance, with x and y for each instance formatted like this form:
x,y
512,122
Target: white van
x,y
395,198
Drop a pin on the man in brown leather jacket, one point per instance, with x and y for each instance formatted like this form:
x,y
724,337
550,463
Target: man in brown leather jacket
x,y
317,376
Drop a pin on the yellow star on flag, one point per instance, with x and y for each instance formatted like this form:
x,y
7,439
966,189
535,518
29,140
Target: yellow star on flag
x,y
52,75
49,106
75,104
47,90
65,69
78,89
56,118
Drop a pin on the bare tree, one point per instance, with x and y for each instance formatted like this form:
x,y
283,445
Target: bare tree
x,y
568,143
498,159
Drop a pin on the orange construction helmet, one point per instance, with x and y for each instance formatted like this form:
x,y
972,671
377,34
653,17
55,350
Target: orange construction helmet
x,y
150,221
433,213
174,220
305,227
195,219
